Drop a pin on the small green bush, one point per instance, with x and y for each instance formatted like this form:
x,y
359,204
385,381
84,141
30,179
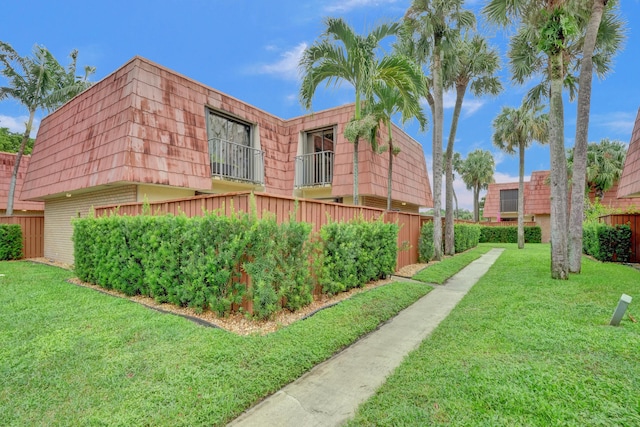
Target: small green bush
x,y
607,243
355,253
10,242
509,234
425,243
466,236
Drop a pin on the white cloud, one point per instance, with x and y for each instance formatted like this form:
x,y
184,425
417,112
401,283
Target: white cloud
x,y
618,122
287,66
501,177
469,106
348,5
18,124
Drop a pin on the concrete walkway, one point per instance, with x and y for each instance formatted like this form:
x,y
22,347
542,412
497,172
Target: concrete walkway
x,y
331,392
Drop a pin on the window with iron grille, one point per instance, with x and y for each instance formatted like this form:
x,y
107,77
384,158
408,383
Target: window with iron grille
x,y
509,200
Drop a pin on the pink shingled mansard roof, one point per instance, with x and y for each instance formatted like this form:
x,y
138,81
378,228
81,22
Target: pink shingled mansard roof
x,y
629,185
492,199
146,124
7,163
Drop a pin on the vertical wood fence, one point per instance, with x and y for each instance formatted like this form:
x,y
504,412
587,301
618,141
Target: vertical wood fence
x,y
634,222
32,233
315,212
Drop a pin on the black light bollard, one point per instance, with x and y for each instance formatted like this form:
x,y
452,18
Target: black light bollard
x,y
625,300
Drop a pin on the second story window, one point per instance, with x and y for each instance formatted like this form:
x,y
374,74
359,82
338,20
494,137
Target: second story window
x,y
508,200
231,149
315,165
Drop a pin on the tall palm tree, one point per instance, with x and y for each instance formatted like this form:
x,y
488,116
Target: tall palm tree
x,y
340,55
602,23
37,82
605,161
435,25
549,39
475,66
477,173
389,101
515,129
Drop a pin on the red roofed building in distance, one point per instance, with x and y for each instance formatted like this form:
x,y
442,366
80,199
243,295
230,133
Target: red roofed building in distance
x,y
20,206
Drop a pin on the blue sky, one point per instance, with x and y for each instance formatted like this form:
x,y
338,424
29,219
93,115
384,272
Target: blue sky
x,y
249,49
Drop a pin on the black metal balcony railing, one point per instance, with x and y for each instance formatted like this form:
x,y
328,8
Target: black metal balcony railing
x,y
314,169
235,161
509,205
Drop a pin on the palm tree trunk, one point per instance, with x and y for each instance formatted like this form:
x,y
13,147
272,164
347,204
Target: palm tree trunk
x,y
521,199
476,204
16,166
449,235
438,114
390,174
455,198
582,135
559,219
356,201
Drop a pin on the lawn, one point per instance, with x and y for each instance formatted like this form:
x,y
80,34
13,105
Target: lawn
x,y
522,349
439,272
73,356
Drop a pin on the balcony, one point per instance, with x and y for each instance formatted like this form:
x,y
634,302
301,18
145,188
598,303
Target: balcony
x,y
508,205
315,169
236,162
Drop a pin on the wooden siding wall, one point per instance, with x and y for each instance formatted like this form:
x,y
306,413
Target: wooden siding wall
x,y
634,222
315,212
32,234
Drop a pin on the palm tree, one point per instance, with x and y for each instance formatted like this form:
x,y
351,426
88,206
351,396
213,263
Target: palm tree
x,y
603,23
605,161
477,173
37,82
340,55
515,129
475,65
389,102
548,40
435,25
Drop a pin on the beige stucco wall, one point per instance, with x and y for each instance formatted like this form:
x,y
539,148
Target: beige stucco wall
x,y
59,211
544,221
155,193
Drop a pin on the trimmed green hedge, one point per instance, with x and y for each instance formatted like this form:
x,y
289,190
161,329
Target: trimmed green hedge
x,y
509,234
425,242
607,243
357,252
466,236
10,242
197,262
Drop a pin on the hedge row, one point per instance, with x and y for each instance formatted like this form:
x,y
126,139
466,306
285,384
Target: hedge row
x,y
10,242
466,236
509,234
607,243
357,252
198,262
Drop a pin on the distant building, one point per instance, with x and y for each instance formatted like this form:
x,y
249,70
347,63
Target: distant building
x,y
20,206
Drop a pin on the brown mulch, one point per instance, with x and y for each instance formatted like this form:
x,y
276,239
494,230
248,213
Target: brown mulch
x,y
237,322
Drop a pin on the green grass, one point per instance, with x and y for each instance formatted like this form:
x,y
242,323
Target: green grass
x,y
523,350
73,356
438,273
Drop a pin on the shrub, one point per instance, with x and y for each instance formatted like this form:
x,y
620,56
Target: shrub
x,y
607,243
197,262
10,242
466,236
355,253
509,234
425,243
